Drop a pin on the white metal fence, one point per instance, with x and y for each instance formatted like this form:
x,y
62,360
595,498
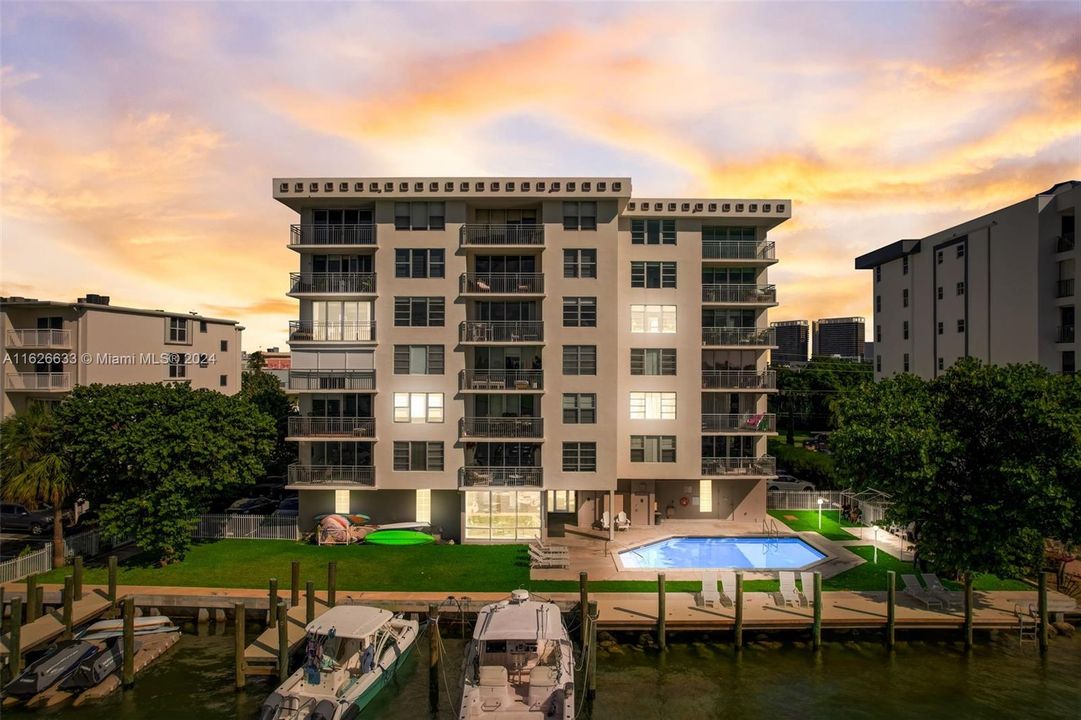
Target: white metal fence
x,y
871,513
32,563
256,527
86,544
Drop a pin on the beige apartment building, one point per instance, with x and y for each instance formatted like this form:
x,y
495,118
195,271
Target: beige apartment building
x,y
1000,288
503,355
49,347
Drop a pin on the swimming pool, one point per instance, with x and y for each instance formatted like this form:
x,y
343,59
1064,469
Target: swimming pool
x,y
739,553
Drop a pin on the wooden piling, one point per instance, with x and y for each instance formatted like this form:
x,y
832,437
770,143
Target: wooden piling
x,y
294,583
816,629
283,642
77,573
15,646
968,611
332,583
31,598
738,639
69,600
583,599
309,602
272,605
112,579
891,608
40,601
129,642
662,614
1042,605
433,658
239,618
591,693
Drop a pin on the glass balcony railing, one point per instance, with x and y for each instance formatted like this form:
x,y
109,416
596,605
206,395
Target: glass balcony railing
x,y
739,380
360,475
738,336
500,476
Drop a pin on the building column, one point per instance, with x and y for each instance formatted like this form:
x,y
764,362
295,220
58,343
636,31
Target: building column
x,y
611,514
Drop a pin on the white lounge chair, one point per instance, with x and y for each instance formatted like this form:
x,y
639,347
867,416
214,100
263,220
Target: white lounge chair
x,y
543,547
789,594
728,586
936,588
606,520
539,559
807,579
914,590
622,521
709,595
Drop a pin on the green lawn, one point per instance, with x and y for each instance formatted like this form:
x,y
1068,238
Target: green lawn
x,y
872,576
803,520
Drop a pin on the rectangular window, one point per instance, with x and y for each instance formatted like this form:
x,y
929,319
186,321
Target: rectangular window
x,y
580,215
653,361
878,273
223,380
904,265
705,496
579,457
904,329
938,257
579,312
424,506
941,364
653,406
565,501
906,362
579,359
940,328
419,311
202,326
341,502
418,407
878,333
177,369
418,359
961,250
878,363
938,292
224,346
178,330
580,263
418,456
419,215
653,274
579,408
878,303
653,448
427,263
960,288
1069,362
961,326
904,297
654,232
653,318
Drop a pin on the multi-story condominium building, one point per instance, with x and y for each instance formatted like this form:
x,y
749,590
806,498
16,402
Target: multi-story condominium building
x,y
1000,288
49,347
497,355
838,337
793,342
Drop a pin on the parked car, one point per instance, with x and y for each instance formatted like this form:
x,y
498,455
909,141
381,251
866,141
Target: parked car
x,y
818,442
788,482
252,506
18,517
289,507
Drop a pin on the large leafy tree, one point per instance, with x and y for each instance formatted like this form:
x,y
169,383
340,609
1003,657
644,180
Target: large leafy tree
x,y
808,393
264,391
33,468
154,456
985,461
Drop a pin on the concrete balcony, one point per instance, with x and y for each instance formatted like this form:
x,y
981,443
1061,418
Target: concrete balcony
x,y
38,339
501,381
338,428
501,332
488,284
483,476
309,283
331,380
739,252
491,236
323,237
749,294
760,467
509,428
37,381
1065,242
739,337
737,380
739,423
1065,334
330,476
338,333
1064,288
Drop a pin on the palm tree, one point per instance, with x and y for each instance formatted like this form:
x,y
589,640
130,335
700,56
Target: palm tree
x,y
32,468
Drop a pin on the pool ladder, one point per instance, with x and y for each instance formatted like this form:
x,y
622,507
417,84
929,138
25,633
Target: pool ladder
x,y
772,533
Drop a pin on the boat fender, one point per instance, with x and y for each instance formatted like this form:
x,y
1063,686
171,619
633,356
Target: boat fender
x,y
684,501
270,707
325,710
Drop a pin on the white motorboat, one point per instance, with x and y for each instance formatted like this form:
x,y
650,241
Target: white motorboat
x,y
352,652
520,663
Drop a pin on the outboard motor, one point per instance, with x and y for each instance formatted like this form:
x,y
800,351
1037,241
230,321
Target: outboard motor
x,y
270,707
324,710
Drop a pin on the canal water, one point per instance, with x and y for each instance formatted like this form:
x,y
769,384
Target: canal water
x,y
694,680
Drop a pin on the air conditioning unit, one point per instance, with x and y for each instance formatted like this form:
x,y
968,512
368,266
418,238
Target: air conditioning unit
x,y
510,187
698,207
448,186
525,186
617,186
298,187
671,207
358,187
685,207
754,207
433,187
388,187
726,207
739,207
571,187
766,207
373,187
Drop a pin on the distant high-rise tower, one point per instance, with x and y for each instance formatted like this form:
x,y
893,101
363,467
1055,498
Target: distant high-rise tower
x,y
841,337
793,341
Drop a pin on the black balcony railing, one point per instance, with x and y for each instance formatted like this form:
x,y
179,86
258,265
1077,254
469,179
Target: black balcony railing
x,y
361,475
1065,242
738,336
499,331
739,250
335,283
749,293
738,422
501,380
332,379
501,283
502,427
763,466
1065,288
739,380
478,234
344,427
343,332
500,476
1065,334
332,235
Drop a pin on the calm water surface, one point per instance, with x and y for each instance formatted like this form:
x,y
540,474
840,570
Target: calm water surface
x,y
694,680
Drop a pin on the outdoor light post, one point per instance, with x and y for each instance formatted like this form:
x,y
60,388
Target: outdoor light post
x,y
820,502
876,544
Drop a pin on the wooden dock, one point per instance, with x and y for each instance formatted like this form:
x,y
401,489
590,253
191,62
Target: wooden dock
x,y
261,657
51,625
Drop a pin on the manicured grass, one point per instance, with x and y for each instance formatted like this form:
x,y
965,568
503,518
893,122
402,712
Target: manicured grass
x,y
872,576
808,520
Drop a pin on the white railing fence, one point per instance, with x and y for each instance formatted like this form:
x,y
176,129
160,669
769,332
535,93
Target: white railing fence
x,y
87,544
871,513
256,527
32,563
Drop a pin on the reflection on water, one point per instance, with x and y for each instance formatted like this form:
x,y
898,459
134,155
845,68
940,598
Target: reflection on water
x,y
694,680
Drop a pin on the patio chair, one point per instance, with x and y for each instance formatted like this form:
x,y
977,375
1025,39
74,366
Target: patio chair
x,y
547,560
606,520
914,590
807,579
936,588
709,595
622,521
728,587
789,594
547,549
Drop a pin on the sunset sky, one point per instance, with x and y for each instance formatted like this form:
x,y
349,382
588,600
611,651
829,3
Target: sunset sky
x,y
139,140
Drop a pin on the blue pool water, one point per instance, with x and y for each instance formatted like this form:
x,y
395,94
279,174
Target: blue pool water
x,y
739,553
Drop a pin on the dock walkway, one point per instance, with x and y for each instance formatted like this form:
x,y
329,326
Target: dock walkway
x,y
51,624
